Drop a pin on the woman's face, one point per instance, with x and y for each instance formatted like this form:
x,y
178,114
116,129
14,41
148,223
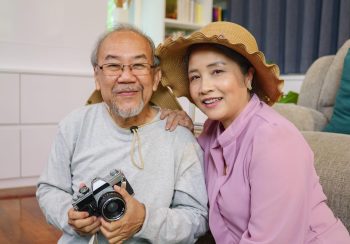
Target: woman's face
x,y
217,84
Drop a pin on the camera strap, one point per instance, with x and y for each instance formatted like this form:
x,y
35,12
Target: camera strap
x,y
93,239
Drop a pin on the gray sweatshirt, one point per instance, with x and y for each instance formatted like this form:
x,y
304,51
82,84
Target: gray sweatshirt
x,y
171,186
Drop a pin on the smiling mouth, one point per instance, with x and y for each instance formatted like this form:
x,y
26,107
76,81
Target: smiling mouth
x,y
211,100
126,91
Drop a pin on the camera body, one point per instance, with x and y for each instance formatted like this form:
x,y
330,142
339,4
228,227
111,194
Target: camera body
x,y
102,200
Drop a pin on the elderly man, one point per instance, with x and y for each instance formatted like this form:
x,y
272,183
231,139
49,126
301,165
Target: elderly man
x,y
125,132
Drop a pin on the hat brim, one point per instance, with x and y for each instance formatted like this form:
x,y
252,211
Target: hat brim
x,y
162,97
172,54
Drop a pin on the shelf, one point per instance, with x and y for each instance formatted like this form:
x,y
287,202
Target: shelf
x,y
173,23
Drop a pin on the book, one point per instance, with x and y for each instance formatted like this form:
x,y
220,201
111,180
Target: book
x,y
171,9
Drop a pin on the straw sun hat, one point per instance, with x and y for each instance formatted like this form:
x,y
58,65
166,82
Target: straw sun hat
x,y
266,83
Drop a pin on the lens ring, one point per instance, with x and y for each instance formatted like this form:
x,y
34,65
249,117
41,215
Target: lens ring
x,y
112,198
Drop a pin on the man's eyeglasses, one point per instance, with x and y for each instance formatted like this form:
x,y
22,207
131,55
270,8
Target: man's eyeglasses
x,y
113,69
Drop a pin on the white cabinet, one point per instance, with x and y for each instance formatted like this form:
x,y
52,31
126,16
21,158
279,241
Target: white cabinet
x,y
31,105
9,152
9,98
36,144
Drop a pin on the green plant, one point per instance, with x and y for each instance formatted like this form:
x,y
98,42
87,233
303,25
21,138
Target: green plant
x,y
290,97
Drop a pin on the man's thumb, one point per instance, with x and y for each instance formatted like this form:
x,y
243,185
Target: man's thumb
x,y
121,191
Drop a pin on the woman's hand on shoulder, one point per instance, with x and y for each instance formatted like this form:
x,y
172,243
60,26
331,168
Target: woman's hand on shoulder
x,y
175,118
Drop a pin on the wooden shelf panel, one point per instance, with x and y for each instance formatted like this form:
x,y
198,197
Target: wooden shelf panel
x,y
173,23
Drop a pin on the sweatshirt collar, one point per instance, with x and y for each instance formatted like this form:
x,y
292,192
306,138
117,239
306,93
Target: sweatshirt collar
x,y
127,131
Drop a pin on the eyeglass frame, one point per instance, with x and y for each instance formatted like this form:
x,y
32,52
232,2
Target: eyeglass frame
x,y
148,67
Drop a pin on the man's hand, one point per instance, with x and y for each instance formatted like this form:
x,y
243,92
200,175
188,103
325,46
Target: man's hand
x,y
175,118
82,223
132,221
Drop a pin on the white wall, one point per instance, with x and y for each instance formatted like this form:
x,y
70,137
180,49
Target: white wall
x,y
149,18
49,35
45,73
292,82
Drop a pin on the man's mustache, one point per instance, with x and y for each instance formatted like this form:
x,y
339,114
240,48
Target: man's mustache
x,y
128,88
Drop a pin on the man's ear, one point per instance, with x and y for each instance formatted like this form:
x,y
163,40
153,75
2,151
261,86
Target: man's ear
x,y
97,82
157,78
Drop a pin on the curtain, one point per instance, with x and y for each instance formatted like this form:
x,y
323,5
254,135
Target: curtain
x,y
294,33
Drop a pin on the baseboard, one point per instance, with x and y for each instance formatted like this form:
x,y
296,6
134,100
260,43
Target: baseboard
x,y
18,192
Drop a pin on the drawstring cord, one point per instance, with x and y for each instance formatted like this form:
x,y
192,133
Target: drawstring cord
x,y
135,137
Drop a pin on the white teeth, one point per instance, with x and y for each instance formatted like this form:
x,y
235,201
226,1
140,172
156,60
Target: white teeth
x,y
212,100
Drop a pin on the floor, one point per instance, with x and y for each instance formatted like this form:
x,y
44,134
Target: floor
x,y
21,221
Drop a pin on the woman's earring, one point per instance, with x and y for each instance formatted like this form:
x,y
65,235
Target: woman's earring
x,y
249,85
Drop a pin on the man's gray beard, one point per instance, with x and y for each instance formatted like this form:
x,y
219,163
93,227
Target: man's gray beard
x,y
126,113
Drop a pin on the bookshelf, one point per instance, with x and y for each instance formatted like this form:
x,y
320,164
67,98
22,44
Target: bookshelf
x,y
184,16
220,12
154,20
173,23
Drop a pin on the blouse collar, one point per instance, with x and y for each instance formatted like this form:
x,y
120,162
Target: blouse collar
x,y
226,136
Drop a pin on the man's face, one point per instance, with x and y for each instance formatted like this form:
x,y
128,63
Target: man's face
x,y
127,94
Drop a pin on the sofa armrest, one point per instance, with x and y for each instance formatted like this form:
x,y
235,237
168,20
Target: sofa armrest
x,y
305,119
332,163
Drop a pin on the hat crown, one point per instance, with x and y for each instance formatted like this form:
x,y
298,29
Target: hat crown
x,y
234,33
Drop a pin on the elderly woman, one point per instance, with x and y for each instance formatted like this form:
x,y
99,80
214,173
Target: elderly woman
x,y
260,175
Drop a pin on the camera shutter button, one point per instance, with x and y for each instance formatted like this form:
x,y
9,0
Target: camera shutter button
x,y
84,190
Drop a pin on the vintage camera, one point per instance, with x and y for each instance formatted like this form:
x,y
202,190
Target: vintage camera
x,y
103,200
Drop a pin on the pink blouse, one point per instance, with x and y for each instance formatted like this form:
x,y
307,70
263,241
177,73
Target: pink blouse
x,y
269,191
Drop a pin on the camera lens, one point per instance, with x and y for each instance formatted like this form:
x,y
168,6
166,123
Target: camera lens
x,y
112,206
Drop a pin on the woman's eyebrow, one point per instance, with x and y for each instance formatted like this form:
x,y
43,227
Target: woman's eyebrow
x,y
218,63
192,71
